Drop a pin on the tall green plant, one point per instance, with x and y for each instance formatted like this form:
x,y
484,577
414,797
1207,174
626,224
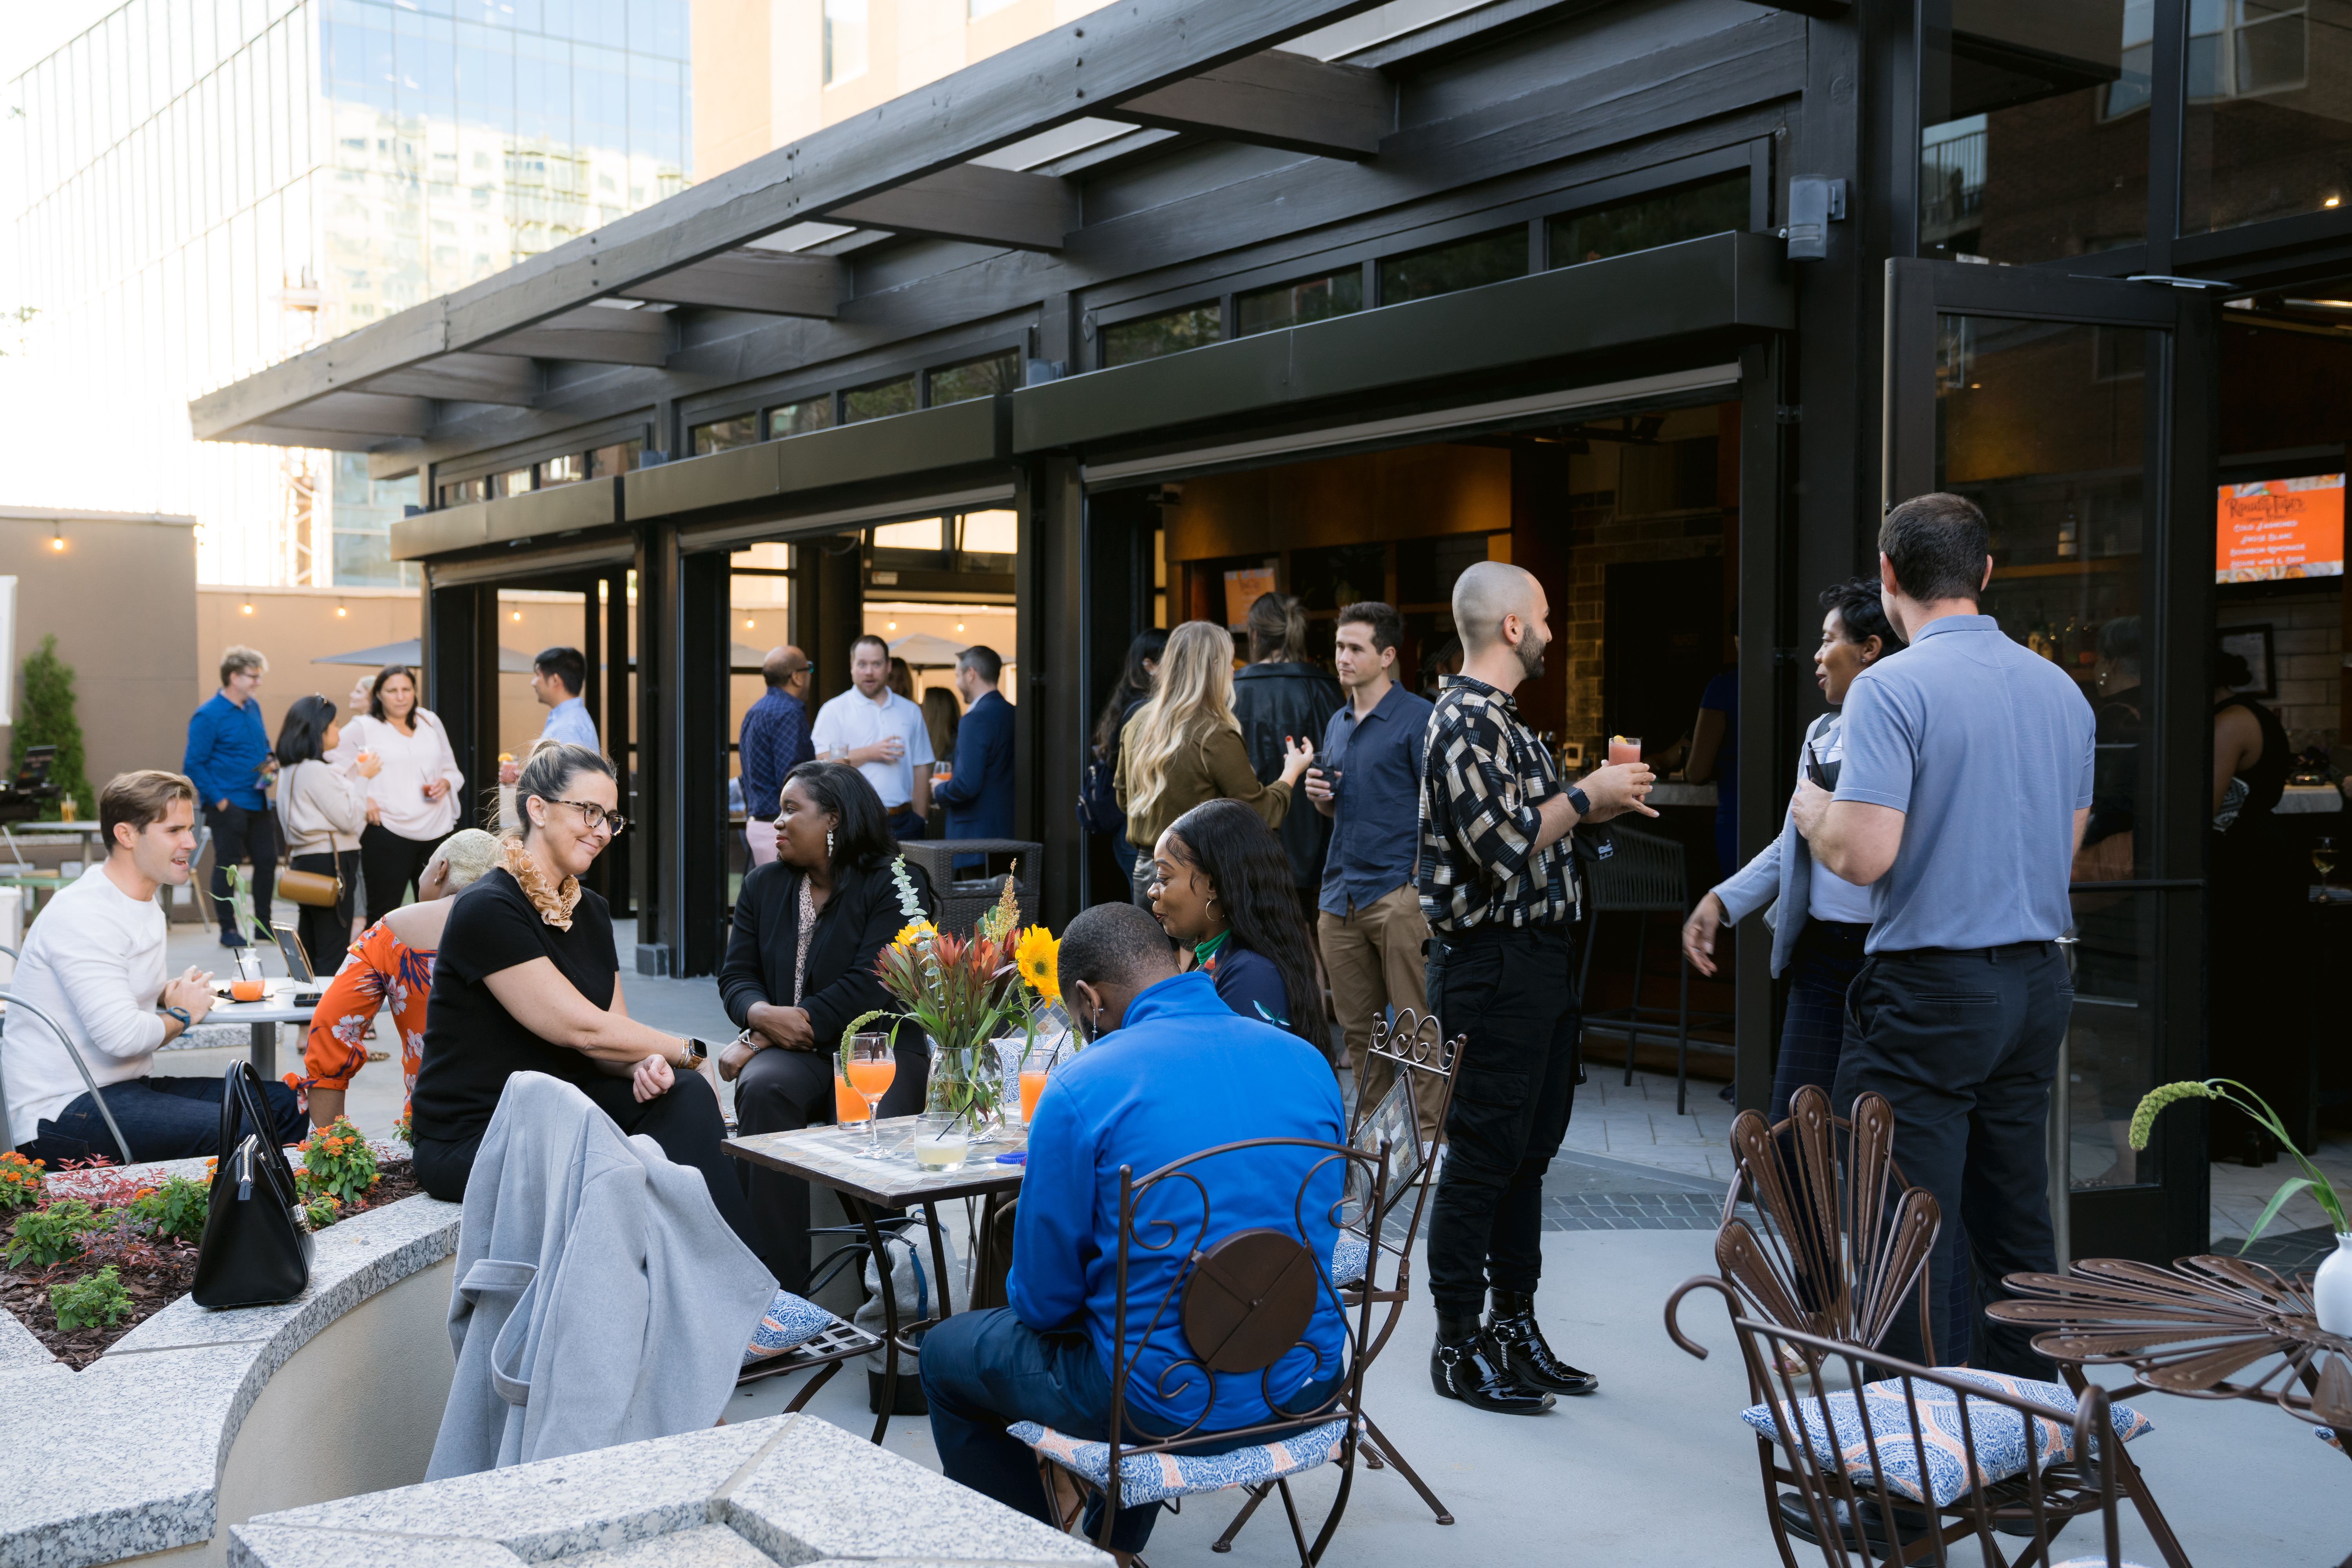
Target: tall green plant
x,y
46,717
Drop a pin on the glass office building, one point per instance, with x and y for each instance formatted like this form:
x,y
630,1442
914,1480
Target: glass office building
x,y
213,186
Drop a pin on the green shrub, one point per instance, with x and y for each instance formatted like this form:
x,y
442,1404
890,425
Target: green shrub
x,y
46,717
176,1208
96,1301
321,1211
338,1161
51,1235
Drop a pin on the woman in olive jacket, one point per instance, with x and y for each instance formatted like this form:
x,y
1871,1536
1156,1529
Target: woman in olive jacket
x,y
792,994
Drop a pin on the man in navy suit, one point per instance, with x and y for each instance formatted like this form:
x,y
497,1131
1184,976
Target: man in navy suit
x,y
978,796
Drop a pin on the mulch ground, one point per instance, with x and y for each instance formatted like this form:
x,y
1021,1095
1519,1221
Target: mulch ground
x,y
154,1274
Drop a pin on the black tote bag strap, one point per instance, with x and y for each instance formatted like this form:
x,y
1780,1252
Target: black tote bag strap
x,y
241,1101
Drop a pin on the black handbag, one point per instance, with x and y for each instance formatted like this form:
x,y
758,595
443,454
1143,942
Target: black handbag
x,y
255,1248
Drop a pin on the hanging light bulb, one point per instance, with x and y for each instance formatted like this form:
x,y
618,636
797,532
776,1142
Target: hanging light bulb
x,y
244,609
341,611
57,536
514,615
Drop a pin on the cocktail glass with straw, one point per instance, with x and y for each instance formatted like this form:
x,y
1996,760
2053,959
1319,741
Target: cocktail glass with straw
x,y
872,1066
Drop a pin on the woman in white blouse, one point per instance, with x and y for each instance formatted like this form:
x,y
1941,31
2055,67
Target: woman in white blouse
x,y
411,800
320,812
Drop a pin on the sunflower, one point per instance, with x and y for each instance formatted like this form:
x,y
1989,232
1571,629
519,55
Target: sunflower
x,y
1037,954
914,933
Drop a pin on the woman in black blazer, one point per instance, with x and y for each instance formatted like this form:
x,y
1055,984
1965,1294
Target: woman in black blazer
x,y
794,994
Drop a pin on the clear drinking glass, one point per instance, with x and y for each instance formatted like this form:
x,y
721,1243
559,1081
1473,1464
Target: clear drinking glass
x,y
873,1064
2323,859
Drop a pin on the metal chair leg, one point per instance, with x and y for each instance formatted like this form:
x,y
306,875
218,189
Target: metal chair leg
x,y
1633,1013
1396,1462
1682,1044
1257,1494
1298,1532
823,1376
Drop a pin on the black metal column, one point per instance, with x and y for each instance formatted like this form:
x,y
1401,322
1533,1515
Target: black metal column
x,y
1766,684
619,667
696,716
661,896
455,692
1050,733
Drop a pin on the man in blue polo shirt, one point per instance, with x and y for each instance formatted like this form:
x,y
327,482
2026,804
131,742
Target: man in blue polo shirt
x,y
1371,929
228,758
1163,1080
1966,784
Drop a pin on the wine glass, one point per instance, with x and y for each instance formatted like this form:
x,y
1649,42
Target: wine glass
x,y
873,1064
2323,859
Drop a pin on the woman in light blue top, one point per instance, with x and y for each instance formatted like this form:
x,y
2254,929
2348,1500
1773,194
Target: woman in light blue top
x,y
1822,918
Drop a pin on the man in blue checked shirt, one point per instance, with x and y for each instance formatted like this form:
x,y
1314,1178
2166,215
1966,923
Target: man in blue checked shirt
x,y
774,741
558,676
228,758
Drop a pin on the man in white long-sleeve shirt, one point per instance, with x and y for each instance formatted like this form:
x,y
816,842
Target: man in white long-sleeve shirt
x,y
94,961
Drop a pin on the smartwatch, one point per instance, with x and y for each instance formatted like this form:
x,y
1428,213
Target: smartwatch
x,y
180,1014
697,1052
1580,803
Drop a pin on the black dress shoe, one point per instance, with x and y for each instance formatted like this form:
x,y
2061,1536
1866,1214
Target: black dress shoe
x,y
1466,1368
1520,1344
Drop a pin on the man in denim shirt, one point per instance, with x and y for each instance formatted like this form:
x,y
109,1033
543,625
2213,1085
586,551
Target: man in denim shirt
x,y
1370,927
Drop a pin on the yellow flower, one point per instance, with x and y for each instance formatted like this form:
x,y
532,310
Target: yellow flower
x,y
914,933
1038,955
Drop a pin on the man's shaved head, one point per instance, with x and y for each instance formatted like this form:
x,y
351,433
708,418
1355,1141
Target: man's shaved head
x,y
782,664
1484,593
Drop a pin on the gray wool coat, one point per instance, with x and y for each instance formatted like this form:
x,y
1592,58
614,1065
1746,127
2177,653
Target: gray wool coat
x,y
599,1298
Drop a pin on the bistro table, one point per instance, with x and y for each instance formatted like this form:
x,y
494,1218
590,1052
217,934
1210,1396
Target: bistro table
x,y
2189,1329
831,1157
277,1006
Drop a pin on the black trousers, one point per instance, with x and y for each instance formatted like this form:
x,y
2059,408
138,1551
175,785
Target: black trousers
x,y
326,933
1964,1044
685,1122
783,1091
1812,1033
238,836
1513,994
391,863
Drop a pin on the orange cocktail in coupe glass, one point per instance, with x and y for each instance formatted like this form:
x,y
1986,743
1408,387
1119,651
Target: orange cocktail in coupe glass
x,y
1624,749
870,1070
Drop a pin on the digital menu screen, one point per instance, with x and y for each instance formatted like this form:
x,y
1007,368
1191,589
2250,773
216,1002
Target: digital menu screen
x,y
2270,529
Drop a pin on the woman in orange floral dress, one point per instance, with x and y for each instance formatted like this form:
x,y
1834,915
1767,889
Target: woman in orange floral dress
x,y
390,964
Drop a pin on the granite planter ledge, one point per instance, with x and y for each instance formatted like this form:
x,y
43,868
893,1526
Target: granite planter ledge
x,y
788,1490
198,1418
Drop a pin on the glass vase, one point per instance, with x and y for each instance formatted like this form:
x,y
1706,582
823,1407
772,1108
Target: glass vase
x,y
966,1086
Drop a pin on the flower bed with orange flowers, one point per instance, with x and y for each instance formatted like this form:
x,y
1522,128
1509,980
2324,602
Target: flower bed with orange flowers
x,y
62,1232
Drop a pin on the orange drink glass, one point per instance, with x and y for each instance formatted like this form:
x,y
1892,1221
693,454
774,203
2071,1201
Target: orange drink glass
x,y
247,990
872,1066
847,1106
1032,1084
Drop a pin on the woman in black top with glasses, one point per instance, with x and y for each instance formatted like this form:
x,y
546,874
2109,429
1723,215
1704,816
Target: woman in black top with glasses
x,y
799,968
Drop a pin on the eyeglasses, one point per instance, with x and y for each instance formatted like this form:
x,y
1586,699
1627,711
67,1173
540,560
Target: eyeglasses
x,y
594,815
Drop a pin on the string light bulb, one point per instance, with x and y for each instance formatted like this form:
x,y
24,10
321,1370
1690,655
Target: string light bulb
x,y
244,609
893,625
514,615
341,611
57,536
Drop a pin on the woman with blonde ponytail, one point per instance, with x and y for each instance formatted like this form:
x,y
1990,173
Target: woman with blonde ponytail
x,y
1184,747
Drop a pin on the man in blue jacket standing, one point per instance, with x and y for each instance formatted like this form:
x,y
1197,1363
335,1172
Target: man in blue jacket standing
x,y
1173,1071
979,795
228,757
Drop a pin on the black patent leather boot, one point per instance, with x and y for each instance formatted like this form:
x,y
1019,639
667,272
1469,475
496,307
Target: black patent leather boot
x,y
1519,1345
1463,1365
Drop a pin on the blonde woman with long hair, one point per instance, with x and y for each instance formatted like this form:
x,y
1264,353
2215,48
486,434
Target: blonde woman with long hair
x,y
1184,746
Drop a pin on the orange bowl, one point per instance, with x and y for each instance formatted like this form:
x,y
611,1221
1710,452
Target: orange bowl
x,y
247,990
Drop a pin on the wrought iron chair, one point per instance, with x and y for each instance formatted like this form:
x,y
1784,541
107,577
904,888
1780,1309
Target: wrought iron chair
x,y
1241,1302
1414,1043
15,1002
1948,1454
1641,876
834,1342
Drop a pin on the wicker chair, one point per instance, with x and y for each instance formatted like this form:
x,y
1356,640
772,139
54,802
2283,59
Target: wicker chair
x,y
1949,1455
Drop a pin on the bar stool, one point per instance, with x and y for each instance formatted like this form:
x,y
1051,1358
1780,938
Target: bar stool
x,y
1641,876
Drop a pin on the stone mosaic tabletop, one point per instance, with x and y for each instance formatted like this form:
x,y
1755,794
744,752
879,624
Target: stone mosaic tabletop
x,y
790,1489
836,1157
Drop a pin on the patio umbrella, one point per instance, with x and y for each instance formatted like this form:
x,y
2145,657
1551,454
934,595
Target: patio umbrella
x,y
412,653
921,650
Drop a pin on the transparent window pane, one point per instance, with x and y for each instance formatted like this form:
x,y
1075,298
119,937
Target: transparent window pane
x,y
927,535
722,435
800,418
1462,264
1691,213
990,376
1170,332
992,532
879,401
2035,130
2268,129
844,42
1296,304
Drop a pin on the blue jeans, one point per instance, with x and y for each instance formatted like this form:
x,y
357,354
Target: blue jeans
x,y
164,1118
984,1371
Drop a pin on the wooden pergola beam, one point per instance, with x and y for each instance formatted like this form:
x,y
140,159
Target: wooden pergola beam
x,y
1275,100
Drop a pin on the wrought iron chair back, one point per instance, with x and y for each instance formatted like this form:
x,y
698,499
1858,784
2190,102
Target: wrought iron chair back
x,y
1254,1292
16,1002
1840,1238
2054,1485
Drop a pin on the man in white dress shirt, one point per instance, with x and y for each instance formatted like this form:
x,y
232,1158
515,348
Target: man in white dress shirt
x,y
94,963
882,735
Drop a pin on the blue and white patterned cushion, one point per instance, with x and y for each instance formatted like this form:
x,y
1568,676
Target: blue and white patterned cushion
x,y
790,1322
1999,1431
2327,1435
1155,1478
1350,1256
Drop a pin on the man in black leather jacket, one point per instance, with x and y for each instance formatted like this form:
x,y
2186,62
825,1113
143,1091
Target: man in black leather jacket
x,y
1281,695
